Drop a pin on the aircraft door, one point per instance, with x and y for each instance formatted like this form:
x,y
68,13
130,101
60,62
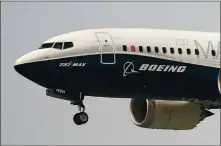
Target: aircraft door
x,y
107,48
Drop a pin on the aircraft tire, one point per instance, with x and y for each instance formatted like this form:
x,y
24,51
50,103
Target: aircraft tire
x,y
80,118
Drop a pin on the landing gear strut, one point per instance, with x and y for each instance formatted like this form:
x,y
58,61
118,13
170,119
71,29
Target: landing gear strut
x,y
81,117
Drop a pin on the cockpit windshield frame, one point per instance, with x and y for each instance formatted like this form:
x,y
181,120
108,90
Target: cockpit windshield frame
x,y
63,45
46,45
58,45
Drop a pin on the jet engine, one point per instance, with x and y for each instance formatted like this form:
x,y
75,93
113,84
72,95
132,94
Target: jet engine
x,y
164,114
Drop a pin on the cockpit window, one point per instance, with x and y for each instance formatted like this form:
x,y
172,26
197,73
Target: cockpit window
x,y
68,45
58,45
46,45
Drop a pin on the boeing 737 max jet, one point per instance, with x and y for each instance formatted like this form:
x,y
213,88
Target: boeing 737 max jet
x,y
172,77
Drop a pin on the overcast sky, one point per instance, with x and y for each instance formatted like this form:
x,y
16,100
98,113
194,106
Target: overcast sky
x,y
31,117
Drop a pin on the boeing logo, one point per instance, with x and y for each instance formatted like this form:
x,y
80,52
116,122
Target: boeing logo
x,y
162,68
129,68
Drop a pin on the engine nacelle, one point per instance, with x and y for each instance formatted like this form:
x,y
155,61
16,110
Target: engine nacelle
x,y
164,114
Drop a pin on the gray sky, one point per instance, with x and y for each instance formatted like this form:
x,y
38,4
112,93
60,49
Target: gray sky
x,y
30,117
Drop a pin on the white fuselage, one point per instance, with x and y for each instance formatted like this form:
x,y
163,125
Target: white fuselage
x,y
86,43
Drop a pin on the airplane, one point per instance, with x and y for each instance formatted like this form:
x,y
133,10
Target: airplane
x,y
172,77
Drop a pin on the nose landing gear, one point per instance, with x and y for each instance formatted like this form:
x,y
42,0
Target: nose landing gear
x,y
81,117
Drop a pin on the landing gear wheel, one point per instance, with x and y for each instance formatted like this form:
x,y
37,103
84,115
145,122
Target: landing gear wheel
x,y
80,118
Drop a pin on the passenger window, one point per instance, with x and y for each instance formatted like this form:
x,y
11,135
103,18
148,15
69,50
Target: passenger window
x,y
172,50
148,49
156,49
197,52
133,48
140,48
213,52
58,45
188,51
179,50
46,45
124,47
68,45
164,50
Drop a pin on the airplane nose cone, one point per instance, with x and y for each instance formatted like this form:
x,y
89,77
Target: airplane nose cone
x,y
22,66
27,69
18,65
19,69
31,67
